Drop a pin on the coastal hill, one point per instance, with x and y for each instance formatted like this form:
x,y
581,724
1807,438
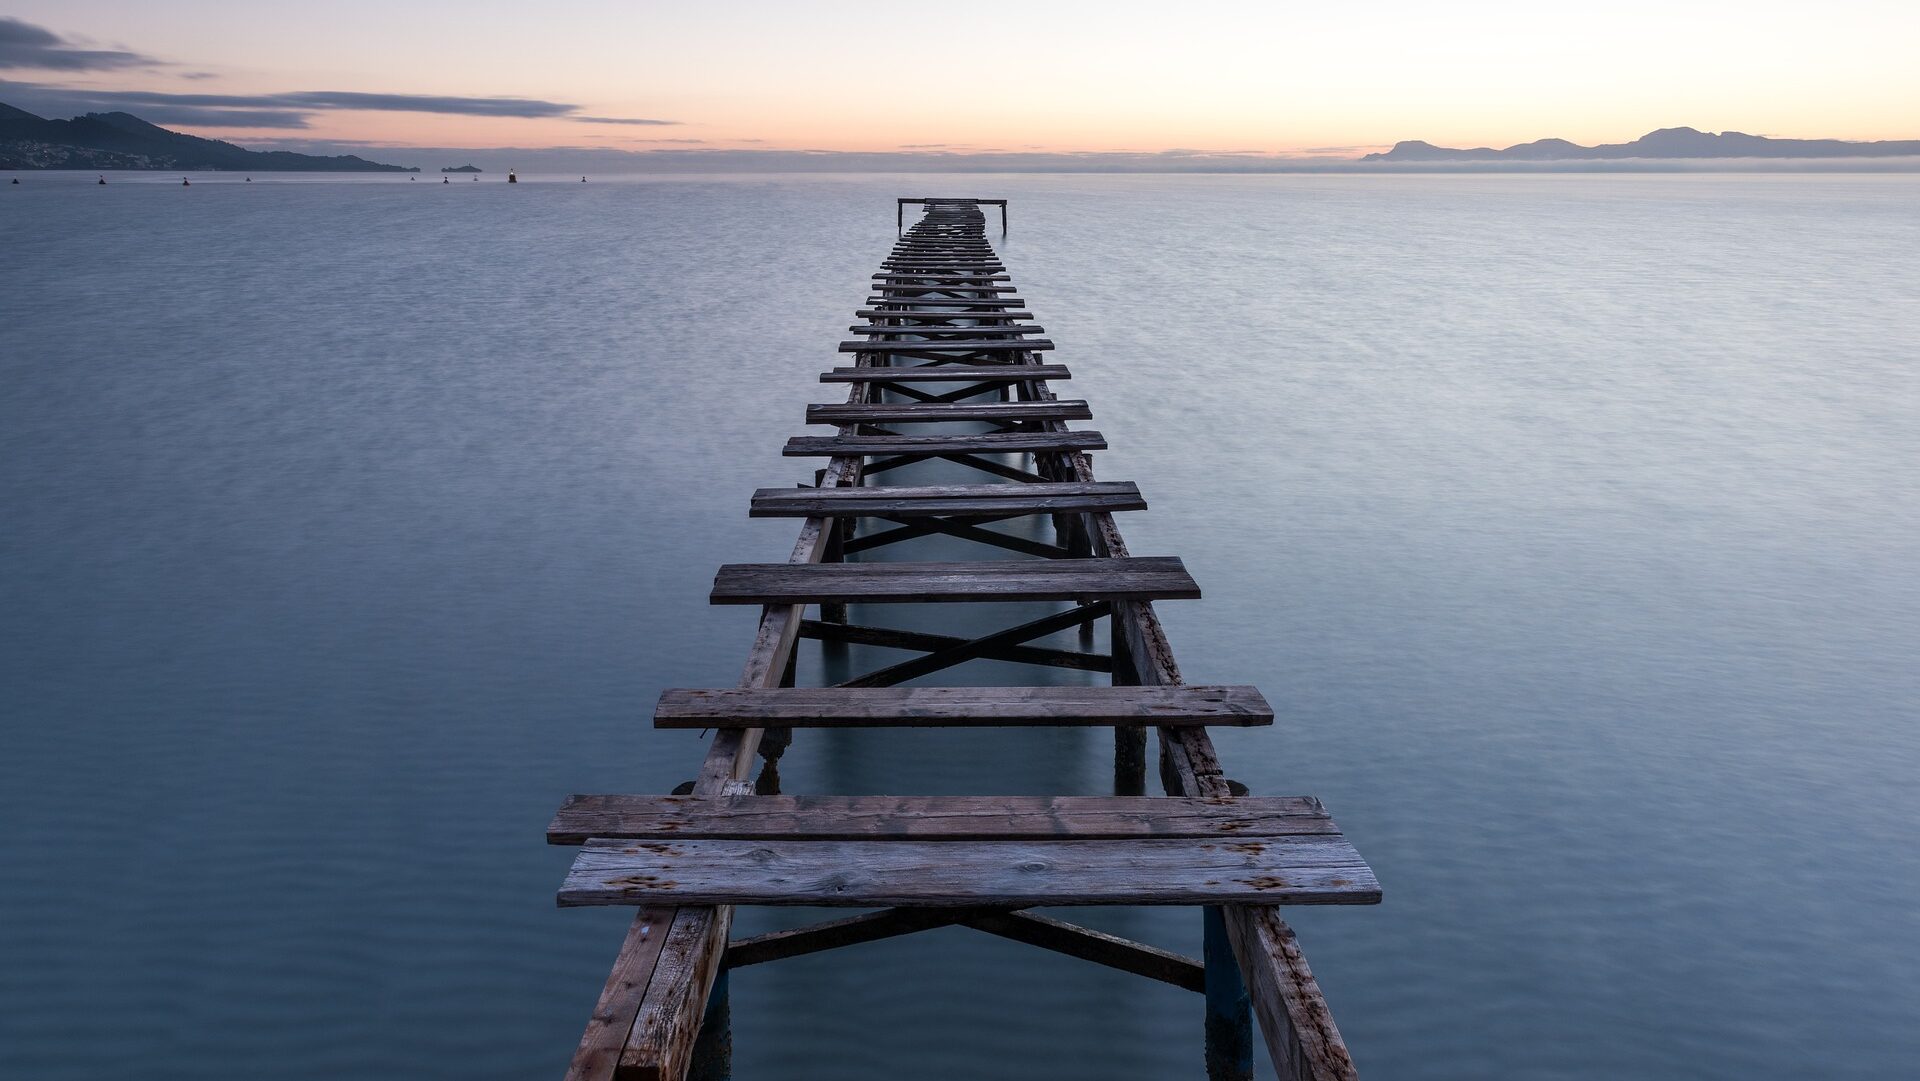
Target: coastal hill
x,y
124,141
1665,143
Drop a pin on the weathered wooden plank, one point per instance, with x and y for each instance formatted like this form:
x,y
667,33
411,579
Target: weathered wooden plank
x,y
932,412
955,345
935,818
908,707
1002,331
906,287
1085,580
950,302
907,276
817,446
940,313
947,373
948,500
661,1043
1320,869
598,1055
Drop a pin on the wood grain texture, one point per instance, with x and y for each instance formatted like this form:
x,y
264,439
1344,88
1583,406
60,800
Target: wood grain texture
x,y
947,500
991,303
1143,577
951,345
935,818
1012,330
945,412
598,1055
943,314
660,1045
836,446
907,707
1313,869
947,373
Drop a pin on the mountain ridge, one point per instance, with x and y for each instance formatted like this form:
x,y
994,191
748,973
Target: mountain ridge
x,y
1662,143
120,140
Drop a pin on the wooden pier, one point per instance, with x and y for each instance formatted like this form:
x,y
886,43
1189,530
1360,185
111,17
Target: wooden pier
x,y
943,343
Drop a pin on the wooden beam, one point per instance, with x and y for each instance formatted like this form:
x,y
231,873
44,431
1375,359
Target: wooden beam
x,y
1083,580
852,931
908,707
1320,869
1090,945
935,818
922,641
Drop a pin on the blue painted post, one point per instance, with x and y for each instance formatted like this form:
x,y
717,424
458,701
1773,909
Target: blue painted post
x,y
1229,1014
713,1050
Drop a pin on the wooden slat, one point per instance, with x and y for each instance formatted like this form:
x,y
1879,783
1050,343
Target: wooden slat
x,y
951,302
957,279
899,287
949,500
816,446
947,373
939,412
1318,869
956,345
660,1047
940,313
1084,580
1013,330
909,707
935,818
598,1055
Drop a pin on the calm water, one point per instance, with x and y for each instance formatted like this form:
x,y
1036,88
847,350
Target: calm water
x,y
1571,522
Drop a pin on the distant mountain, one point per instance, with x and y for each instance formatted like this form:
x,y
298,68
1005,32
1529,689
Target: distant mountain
x,y
123,141
462,169
1665,143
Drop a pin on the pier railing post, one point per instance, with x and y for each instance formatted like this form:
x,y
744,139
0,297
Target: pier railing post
x,y
1229,1012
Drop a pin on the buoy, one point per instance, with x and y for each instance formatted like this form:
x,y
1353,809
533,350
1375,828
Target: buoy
x,y
511,178
249,180
103,180
446,180
16,180
185,183
583,180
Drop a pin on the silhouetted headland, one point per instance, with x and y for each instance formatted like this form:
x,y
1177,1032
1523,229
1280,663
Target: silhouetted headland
x,y
124,141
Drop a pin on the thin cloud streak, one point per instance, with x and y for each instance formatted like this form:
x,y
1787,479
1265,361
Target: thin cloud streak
x,y
24,46
622,120
287,109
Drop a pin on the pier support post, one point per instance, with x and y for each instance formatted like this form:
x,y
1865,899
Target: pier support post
x,y
1229,1014
1129,741
712,1058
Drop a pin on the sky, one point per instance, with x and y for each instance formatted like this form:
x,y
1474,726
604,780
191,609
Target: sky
x,y
1274,78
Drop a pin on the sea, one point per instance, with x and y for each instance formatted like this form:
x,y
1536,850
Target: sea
x,y
1570,522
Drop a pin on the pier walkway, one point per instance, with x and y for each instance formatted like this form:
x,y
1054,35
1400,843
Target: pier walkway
x,y
943,343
